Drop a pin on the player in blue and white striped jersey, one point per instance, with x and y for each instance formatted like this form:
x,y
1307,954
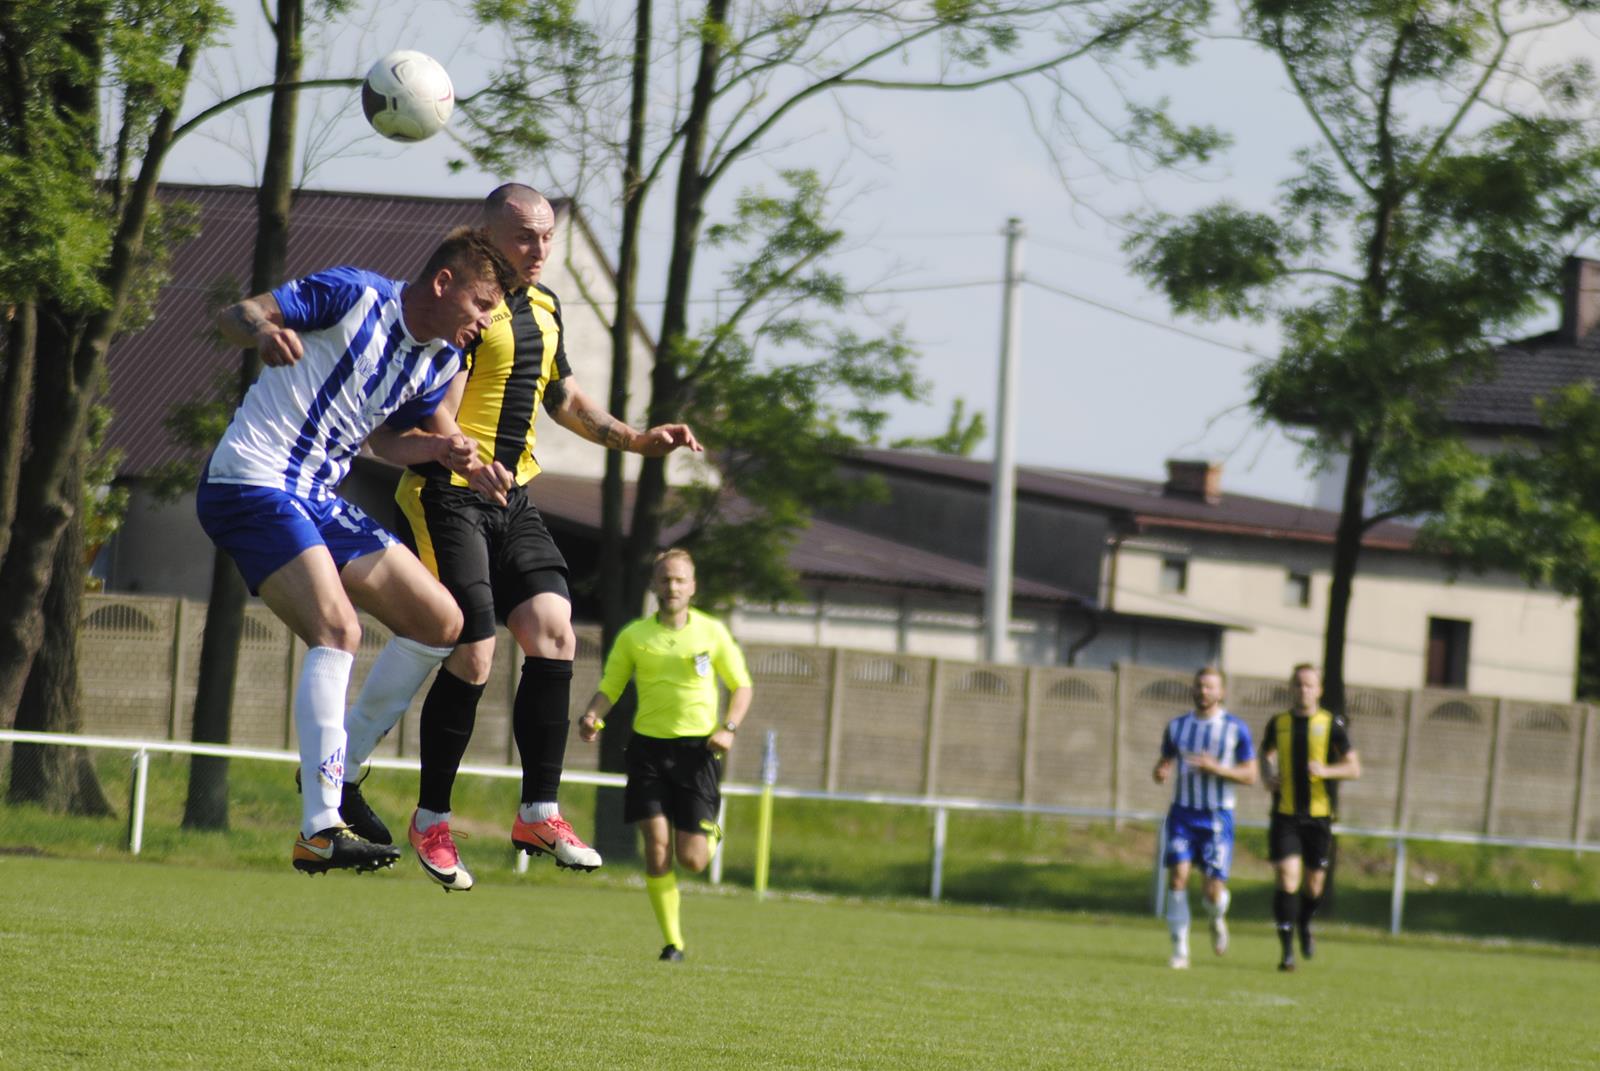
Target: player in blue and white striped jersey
x,y
345,352
1206,752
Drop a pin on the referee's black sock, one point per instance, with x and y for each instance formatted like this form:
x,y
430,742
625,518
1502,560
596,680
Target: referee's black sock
x,y
1283,912
448,715
539,719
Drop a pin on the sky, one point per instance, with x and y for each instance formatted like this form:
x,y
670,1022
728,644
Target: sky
x,y
1110,381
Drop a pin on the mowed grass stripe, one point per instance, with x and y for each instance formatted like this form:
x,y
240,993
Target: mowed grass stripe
x,y
131,965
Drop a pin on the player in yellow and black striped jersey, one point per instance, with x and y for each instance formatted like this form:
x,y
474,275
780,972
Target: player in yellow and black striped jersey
x,y
483,538
1305,752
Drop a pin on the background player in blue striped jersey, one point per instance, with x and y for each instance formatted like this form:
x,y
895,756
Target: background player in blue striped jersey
x,y
345,352
1209,750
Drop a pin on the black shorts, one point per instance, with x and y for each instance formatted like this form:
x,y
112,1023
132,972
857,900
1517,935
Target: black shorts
x,y
491,558
1309,838
677,778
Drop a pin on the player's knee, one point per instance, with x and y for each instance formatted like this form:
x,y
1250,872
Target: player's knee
x,y
474,661
342,632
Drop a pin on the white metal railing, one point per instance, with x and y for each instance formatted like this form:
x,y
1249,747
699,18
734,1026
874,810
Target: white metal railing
x,y
939,806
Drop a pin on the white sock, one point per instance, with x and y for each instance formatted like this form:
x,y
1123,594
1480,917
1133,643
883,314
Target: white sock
x,y
426,819
319,721
391,684
1220,908
1178,921
538,812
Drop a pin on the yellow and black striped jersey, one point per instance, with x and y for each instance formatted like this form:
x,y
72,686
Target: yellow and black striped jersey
x,y
509,368
1321,737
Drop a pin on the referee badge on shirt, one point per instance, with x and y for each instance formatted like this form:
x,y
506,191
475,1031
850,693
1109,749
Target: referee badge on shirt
x,y
702,664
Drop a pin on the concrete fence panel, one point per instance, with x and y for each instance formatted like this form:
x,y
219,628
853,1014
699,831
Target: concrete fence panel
x,y
1071,744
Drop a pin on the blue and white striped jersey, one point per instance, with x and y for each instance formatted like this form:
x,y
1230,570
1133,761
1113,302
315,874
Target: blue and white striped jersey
x,y
300,426
1223,737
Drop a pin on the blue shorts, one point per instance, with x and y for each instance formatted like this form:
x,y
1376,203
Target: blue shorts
x,y
1204,835
263,529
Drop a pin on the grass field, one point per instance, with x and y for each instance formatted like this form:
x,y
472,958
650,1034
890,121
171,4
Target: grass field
x,y
117,964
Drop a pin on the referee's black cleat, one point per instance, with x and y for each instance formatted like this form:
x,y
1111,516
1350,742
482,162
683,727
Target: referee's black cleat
x,y
672,954
1308,943
338,848
356,813
1286,963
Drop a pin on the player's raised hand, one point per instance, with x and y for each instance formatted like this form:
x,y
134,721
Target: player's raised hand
x,y
492,481
662,439
278,346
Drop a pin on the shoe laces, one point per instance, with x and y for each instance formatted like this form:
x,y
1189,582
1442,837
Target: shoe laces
x,y
562,829
439,838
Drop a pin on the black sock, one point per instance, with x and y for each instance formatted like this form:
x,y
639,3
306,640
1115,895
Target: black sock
x,y
540,723
448,714
1283,913
1308,908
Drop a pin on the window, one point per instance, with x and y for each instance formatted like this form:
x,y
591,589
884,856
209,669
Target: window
x,y
1297,590
1174,575
1448,645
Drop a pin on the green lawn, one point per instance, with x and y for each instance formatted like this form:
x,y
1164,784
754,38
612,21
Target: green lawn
x,y
124,964
861,851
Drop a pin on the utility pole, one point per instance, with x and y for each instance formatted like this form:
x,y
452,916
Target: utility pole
x,y
1003,485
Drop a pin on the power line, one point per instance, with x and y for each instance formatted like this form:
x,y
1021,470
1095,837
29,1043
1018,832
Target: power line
x,y
1131,315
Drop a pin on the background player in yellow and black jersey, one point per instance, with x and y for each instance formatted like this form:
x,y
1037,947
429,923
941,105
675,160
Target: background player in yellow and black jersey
x,y
1304,753
482,536
676,656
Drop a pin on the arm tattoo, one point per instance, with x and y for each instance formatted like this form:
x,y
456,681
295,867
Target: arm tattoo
x,y
248,317
606,429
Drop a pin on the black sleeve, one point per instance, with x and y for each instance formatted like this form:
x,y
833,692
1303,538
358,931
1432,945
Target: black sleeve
x,y
1268,739
1339,739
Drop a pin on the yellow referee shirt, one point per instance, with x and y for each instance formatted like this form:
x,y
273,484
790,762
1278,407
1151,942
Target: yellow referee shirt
x,y
674,671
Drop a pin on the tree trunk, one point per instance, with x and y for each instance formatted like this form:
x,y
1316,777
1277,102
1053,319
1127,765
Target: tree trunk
x,y
22,338
666,379
207,803
60,779
613,838
1346,553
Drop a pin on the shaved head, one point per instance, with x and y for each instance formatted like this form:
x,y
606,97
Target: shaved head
x,y
522,225
516,194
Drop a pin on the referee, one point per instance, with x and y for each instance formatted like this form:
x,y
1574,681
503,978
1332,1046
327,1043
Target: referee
x,y
676,655
1305,752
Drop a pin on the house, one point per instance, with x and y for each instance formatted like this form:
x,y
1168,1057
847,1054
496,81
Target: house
x,y
1255,571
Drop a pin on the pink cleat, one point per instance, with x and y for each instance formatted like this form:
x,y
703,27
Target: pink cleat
x,y
436,851
554,837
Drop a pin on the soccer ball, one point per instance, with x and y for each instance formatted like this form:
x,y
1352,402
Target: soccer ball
x,y
407,96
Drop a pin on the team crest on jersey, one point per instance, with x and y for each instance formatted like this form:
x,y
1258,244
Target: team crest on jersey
x,y
702,664
331,772
366,365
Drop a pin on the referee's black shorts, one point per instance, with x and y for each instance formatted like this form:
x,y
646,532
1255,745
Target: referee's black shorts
x,y
492,558
676,777
1309,838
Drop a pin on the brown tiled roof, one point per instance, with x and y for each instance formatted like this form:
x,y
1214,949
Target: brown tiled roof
x,y
1503,402
824,551
175,358
1144,504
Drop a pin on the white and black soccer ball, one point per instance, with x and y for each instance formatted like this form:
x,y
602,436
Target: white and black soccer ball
x,y
407,96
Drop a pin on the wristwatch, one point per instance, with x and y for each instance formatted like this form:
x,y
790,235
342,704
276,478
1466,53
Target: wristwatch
x,y
730,726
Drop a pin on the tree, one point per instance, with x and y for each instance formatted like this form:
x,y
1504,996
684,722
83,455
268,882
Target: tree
x,y
736,77
76,218
1433,210
960,437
